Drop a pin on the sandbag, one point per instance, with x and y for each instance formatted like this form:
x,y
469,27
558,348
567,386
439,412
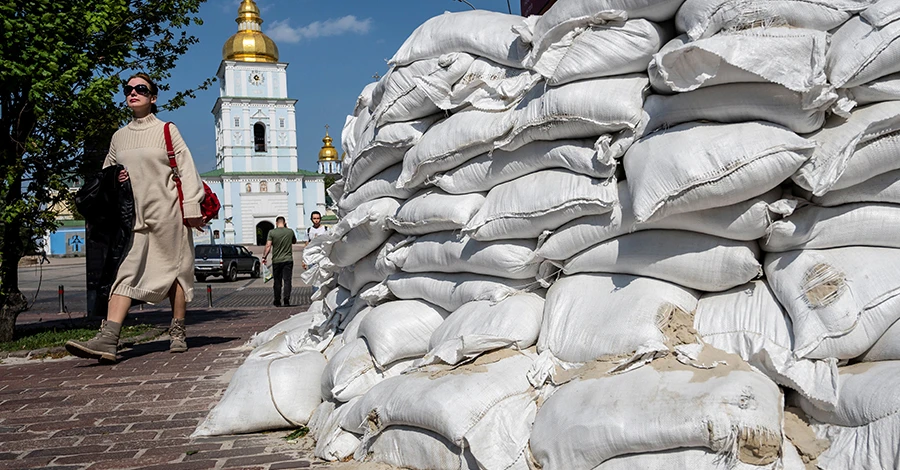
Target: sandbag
x,y
515,210
405,92
864,428
265,394
887,348
704,18
865,48
793,58
481,326
744,221
450,252
696,166
749,321
689,259
383,184
589,316
419,449
851,151
478,32
491,169
882,188
433,210
694,458
494,423
400,329
311,318
356,235
332,442
736,102
371,268
352,372
813,227
451,291
601,50
730,409
486,86
840,300
886,88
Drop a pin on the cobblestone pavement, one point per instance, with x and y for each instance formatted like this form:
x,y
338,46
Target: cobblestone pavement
x,y
76,414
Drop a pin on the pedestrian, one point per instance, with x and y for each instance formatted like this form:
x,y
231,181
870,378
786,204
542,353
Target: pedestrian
x,y
317,230
159,263
279,244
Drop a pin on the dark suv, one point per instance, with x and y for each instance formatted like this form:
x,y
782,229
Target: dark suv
x,y
224,260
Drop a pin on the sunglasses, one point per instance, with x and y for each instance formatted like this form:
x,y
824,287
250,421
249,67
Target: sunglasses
x,y
141,89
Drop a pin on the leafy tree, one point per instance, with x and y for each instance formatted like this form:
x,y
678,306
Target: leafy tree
x,y
62,65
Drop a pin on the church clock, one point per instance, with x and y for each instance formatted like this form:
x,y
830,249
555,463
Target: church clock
x,y
257,78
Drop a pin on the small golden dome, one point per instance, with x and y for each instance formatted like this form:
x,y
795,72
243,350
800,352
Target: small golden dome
x,y
328,152
249,44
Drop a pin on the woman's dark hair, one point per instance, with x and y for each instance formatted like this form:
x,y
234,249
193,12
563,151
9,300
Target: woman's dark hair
x,y
154,90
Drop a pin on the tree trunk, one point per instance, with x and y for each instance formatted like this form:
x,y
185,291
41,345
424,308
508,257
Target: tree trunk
x,y
12,301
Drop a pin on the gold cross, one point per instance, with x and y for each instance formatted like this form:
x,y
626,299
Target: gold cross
x,y
326,128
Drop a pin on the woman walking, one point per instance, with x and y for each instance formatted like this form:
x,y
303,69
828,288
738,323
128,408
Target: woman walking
x,y
159,263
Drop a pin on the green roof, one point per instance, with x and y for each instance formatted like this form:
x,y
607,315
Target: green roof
x,y
219,172
70,223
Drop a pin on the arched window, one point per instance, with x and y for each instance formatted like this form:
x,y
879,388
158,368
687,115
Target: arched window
x,y
277,187
249,188
263,187
259,137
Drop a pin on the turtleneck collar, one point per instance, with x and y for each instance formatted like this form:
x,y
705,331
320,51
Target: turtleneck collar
x,y
145,122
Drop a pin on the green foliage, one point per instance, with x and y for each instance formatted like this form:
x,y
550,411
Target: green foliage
x,y
56,337
297,433
62,65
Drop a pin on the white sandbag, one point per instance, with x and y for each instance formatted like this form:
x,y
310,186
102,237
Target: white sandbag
x,y
452,291
694,166
887,348
613,48
332,442
486,86
451,142
864,49
450,252
589,316
300,339
352,372
689,259
264,395
543,200
400,329
851,151
369,269
813,227
882,188
481,326
749,321
579,110
366,100
382,147
730,409
864,429
886,88
383,184
419,449
351,328
840,300
493,422
564,17
736,102
365,231
491,169
704,18
793,58
405,91
478,32
311,318
687,459
433,210
745,221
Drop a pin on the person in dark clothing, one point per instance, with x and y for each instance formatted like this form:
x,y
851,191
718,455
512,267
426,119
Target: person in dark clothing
x,y
279,243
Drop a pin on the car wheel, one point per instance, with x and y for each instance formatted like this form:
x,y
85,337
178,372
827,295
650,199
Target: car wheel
x,y
255,273
231,275
201,277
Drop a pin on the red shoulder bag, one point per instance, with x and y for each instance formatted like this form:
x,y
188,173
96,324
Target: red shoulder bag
x,y
210,206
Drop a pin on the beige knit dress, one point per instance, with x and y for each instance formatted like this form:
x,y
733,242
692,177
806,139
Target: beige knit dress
x,y
162,248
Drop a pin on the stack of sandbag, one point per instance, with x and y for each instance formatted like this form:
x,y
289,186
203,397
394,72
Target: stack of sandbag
x,y
613,236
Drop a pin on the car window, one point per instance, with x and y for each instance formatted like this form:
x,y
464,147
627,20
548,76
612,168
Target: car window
x,y
206,251
229,250
245,251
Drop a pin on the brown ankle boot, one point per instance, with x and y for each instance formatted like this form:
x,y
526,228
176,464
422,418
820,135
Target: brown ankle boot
x,y
102,347
177,342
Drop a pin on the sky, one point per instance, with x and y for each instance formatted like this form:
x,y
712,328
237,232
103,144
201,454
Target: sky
x,y
333,48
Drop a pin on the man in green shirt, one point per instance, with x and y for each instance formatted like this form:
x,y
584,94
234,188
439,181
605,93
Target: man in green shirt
x,y
279,243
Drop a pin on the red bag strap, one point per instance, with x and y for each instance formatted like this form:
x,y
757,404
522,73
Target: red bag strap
x,y
170,151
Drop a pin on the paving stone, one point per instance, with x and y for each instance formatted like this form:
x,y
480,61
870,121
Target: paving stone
x,y
90,430
289,465
32,444
256,460
21,464
69,450
91,458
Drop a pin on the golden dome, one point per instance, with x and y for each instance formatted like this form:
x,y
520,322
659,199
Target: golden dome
x,y
249,44
328,152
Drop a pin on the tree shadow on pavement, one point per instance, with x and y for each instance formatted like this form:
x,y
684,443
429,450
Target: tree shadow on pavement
x,y
162,346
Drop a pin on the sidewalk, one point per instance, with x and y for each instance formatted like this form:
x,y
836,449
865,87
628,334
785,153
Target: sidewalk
x,y
75,414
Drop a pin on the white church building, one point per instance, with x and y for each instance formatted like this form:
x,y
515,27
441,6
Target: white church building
x,y
256,176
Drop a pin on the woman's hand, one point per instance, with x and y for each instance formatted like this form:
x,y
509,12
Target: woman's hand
x,y
195,222
123,176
